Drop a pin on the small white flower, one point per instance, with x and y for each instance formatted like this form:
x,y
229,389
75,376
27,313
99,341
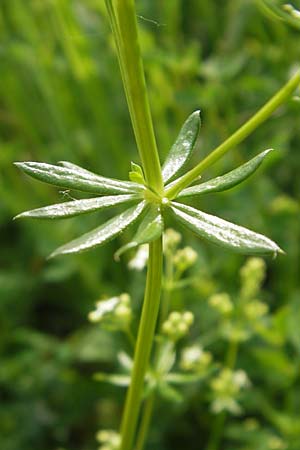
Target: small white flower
x,y
139,261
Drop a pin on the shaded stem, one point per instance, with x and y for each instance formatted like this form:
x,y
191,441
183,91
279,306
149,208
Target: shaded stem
x,y
123,22
237,137
219,423
145,422
143,345
164,310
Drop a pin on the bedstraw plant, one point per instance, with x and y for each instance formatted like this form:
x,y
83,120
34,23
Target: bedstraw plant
x,y
148,196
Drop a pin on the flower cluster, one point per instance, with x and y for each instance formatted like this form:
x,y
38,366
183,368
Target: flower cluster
x,y
226,388
177,324
195,359
114,313
109,440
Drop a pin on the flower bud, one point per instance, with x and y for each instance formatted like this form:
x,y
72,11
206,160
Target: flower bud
x,y
221,303
185,258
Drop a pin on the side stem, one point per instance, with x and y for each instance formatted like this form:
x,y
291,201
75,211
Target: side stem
x,y
263,114
143,345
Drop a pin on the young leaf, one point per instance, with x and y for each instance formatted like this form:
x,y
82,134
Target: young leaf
x,y
78,179
224,233
150,229
102,234
77,207
183,147
136,174
227,181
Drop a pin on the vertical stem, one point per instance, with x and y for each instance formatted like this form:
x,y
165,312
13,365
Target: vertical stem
x,y
219,423
123,21
145,423
148,407
143,345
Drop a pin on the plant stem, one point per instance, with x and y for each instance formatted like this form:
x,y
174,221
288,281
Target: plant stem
x,y
219,422
263,114
143,345
145,422
123,21
164,310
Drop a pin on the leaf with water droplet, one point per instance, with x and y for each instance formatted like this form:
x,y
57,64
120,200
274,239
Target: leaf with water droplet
x,y
106,232
77,178
183,147
223,233
77,207
227,181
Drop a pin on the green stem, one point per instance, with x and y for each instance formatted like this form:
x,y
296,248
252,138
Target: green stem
x,y
164,310
143,345
167,289
145,423
123,21
237,137
219,423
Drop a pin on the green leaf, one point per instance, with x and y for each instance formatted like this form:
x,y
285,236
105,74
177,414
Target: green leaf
x,y
227,181
169,393
77,207
77,178
182,378
182,148
136,174
102,234
115,379
150,229
224,233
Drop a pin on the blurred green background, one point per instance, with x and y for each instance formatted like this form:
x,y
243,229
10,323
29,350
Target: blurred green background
x,y
61,98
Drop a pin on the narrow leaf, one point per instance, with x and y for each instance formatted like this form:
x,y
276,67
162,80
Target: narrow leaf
x,y
102,234
150,229
77,178
224,233
77,207
115,379
227,181
77,168
182,378
183,147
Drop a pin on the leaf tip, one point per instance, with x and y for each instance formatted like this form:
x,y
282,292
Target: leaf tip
x,y
18,164
18,216
53,254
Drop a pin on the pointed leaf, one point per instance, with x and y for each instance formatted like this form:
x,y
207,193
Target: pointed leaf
x,y
150,229
77,207
224,233
102,234
182,378
77,168
227,181
183,147
115,379
77,178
